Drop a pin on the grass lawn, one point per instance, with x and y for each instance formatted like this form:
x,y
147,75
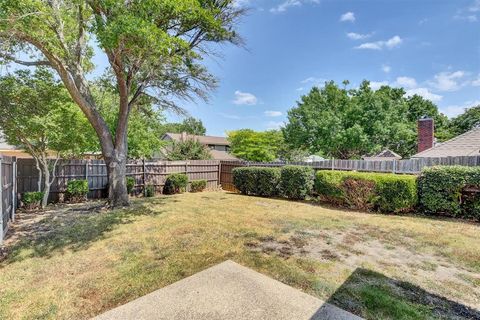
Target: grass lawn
x,y
78,261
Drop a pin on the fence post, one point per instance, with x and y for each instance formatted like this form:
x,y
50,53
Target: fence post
x,y
333,163
219,172
394,165
14,187
144,177
1,202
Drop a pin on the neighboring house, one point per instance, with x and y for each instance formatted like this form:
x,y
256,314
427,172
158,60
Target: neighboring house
x,y
467,144
12,151
313,158
385,155
219,146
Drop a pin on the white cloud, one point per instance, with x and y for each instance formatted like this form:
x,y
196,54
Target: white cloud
x,y
348,16
245,98
448,81
475,7
469,14
274,125
287,4
406,82
455,110
300,89
240,3
391,43
425,93
375,85
386,68
273,113
476,82
314,81
358,36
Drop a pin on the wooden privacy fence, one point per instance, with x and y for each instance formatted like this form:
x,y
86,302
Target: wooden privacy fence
x,y
410,166
7,193
95,172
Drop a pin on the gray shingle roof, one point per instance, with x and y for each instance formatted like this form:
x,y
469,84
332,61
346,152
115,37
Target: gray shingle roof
x,y
221,141
467,144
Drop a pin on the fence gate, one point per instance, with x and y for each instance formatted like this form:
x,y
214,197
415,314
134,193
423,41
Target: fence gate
x,y
7,193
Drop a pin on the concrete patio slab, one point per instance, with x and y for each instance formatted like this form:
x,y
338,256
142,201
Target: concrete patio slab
x,y
227,291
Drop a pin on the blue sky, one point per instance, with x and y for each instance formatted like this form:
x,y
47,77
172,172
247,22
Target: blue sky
x,y
431,48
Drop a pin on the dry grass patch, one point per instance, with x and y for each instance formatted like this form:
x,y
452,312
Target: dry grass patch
x,y
76,262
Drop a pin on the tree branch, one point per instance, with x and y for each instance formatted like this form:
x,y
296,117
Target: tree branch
x,y
25,63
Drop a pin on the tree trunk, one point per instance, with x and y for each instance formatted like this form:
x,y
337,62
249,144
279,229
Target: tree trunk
x,y
117,184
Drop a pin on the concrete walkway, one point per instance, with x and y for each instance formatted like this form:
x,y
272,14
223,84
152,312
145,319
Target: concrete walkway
x,y
227,291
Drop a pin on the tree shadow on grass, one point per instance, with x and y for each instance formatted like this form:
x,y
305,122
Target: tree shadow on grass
x,y
73,228
372,295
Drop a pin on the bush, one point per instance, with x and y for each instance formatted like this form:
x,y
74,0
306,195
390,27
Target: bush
x,y
130,184
260,181
449,190
175,183
77,190
296,182
32,200
367,191
149,190
198,185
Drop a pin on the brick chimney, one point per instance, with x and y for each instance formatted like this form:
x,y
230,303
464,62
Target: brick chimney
x,y
426,130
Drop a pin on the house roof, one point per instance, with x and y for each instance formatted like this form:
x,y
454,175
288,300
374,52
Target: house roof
x,y
222,141
467,144
385,154
222,155
5,146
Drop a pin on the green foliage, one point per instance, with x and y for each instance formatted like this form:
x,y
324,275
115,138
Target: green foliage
x,y
296,182
466,121
198,185
189,149
175,183
189,125
347,124
32,200
260,181
130,184
77,190
256,146
443,190
38,115
149,190
365,191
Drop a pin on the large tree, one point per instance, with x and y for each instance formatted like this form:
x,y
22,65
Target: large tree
x,y
189,125
154,47
465,121
342,123
250,145
38,115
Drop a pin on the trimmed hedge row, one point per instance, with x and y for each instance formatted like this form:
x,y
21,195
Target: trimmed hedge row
x,y
293,182
367,191
450,190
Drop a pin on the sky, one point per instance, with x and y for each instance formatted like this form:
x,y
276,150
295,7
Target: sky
x,y
431,48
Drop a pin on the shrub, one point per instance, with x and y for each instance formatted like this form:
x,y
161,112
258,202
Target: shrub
x,y
32,200
149,190
198,185
77,190
446,190
296,182
366,191
260,181
175,183
130,184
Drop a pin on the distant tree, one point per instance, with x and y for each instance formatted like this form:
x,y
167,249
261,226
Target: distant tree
x,y
189,125
253,145
38,115
189,149
347,124
466,121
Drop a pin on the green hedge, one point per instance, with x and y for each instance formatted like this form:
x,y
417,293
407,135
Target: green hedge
x,y
367,191
198,185
444,190
149,190
32,200
77,190
175,183
130,184
296,182
260,181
